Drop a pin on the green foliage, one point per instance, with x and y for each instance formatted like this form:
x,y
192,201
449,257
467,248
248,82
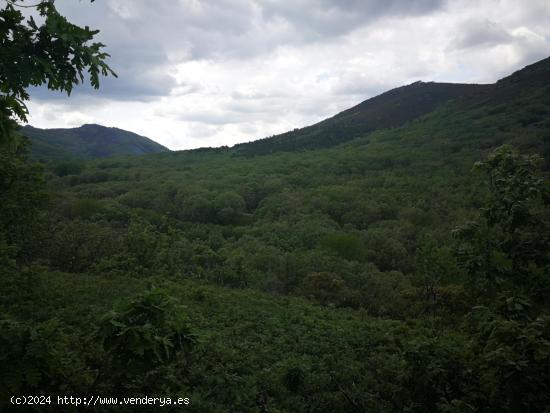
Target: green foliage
x,y
508,245
76,246
56,53
146,342
324,286
514,354
309,281
22,195
348,246
38,359
67,168
506,253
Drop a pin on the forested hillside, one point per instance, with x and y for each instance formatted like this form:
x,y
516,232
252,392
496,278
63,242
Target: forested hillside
x,y
396,107
87,142
400,264
390,109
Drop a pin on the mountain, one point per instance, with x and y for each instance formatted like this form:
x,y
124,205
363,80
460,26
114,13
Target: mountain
x,y
397,107
390,109
87,142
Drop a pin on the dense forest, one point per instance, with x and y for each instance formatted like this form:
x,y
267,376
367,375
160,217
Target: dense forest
x,y
351,266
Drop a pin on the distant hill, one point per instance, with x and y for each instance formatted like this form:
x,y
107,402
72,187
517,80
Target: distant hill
x,y
87,142
397,107
390,109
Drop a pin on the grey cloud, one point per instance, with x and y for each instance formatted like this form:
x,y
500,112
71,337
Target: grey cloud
x,y
326,18
137,87
210,117
187,88
231,112
248,129
360,84
530,49
525,43
145,38
257,95
201,130
235,29
314,20
248,111
138,60
476,33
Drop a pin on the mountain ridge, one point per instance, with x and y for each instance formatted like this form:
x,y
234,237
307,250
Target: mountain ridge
x,y
392,108
396,107
88,141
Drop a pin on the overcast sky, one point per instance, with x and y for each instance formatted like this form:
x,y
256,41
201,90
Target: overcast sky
x,y
196,73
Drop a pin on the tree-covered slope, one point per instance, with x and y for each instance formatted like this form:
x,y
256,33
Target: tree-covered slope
x,y
358,210
396,107
87,142
382,274
390,109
